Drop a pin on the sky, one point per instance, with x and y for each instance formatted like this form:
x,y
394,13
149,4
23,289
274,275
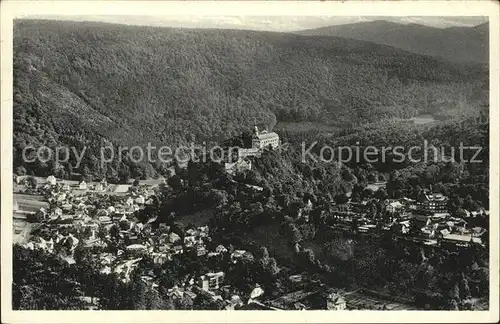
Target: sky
x,y
274,23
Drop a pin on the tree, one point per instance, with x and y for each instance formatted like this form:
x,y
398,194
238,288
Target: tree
x,y
58,170
175,182
295,233
138,292
264,253
461,213
184,303
86,174
218,197
153,300
42,281
307,256
21,170
36,217
114,232
357,192
31,182
347,175
124,172
415,228
341,199
317,216
454,292
354,225
203,302
453,304
380,194
372,177
464,289
112,293
307,171
69,172
268,264
367,193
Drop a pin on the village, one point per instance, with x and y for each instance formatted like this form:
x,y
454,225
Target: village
x,y
78,215
107,220
92,215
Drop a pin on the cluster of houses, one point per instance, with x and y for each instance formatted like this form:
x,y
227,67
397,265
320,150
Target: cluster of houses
x,y
309,299
78,217
87,221
424,220
211,286
436,226
82,185
85,217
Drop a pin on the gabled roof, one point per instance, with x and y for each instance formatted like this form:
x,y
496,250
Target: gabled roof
x,y
174,237
395,204
266,135
256,292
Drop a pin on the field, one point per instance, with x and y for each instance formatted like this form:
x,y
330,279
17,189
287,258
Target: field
x,y
423,119
26,204
29,203
118,189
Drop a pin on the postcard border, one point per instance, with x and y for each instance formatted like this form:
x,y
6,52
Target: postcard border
x,y
11,9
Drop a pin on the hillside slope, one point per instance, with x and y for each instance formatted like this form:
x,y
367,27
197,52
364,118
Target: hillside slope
x,y
86,82
470,44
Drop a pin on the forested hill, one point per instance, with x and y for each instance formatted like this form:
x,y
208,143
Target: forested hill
x,y
79,81
470,44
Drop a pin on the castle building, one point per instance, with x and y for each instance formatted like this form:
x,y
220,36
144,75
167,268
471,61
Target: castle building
x,y
264,139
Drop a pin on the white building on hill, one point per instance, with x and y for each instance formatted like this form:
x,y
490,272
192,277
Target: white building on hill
x,y
264,139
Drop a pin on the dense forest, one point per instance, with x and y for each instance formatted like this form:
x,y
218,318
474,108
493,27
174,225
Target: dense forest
x,y
84,84
268,222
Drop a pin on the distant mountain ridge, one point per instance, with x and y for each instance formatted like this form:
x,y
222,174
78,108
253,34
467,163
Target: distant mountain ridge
x,y
459,44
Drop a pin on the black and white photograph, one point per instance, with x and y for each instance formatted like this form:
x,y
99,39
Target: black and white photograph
x,y
254,162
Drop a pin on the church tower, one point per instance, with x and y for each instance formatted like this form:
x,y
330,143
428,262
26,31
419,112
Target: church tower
x,y
255,130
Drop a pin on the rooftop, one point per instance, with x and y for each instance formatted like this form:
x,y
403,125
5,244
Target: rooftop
x,y
458,237
266,135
